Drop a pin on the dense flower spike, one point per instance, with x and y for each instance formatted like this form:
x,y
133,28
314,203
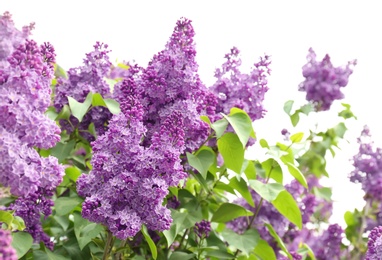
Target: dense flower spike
x,y
170,83
84,79
323,82
7,252
139,175
244,91
25,92
374,245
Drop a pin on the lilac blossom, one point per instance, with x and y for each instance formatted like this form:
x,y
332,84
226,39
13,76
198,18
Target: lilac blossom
x,y
374,244
25,77
244,91
323,82
81,80
171,83
10,37
129,181
328,245
7,252
202,229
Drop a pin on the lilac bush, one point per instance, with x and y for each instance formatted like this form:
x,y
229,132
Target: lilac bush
x,y
149,166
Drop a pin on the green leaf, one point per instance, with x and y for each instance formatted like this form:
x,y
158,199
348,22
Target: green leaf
x,y
219,127
340,130
297,174
64,113
51,113
323,192
54,256
219,254
79,109
178,255
59,72
288,106
241,186
202,160
264,250
73,173
295,118
273,169
232,151
306,109
98,100
346,113
21,242
245,242
250,171
113,106
170,235
206,120
63,150
305,249
268,191
85,230
350,219
287,206
278,240
229,211
296,138
241,123
264,143
65,205
149,241
6,217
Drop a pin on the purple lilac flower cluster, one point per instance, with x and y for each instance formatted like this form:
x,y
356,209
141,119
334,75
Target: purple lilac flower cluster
x,y
10,37
374,244
323,82
202,229
81,80
367,164
25,91
7,252
244,91
129,181
170,83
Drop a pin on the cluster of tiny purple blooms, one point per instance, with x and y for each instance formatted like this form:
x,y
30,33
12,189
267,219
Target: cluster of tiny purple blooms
x,y
26,72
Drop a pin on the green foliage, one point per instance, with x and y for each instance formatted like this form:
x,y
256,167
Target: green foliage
x,y
22,242
229,211
232,151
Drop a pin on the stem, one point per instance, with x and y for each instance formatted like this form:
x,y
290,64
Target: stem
x,y
258,207
182,239
119,255
108,246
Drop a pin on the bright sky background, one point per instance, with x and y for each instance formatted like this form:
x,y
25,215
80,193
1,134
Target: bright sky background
x,y
136,30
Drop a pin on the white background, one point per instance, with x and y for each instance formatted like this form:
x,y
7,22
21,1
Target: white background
x,y
135,30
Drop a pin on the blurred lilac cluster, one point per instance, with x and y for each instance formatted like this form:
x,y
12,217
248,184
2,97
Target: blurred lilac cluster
x,y
7,252
323,82
26,71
